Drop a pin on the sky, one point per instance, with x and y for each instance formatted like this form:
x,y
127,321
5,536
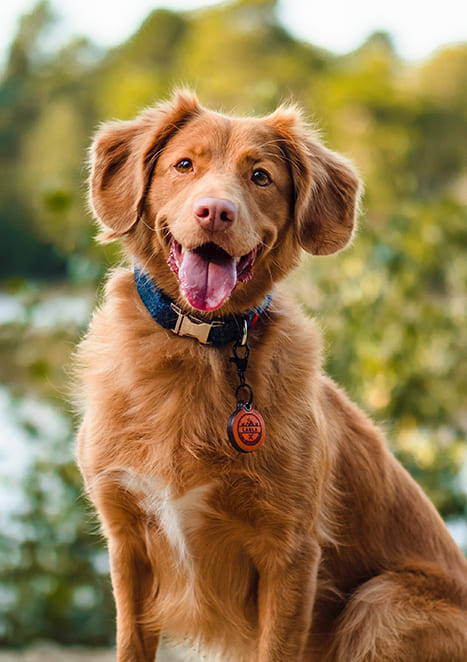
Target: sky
x,y
418,27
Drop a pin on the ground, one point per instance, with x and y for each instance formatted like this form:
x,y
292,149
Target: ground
x,y
45,652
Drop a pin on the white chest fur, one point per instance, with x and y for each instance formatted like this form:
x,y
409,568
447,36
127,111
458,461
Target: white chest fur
x,y
176,517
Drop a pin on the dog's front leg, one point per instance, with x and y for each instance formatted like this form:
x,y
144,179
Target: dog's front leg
x,y
130,568
131,576
286,598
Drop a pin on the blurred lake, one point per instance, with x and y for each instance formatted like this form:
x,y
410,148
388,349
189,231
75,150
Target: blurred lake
x,y
38,327
49,553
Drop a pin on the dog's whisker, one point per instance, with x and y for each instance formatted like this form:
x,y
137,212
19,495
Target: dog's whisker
x,y
149,227
148,260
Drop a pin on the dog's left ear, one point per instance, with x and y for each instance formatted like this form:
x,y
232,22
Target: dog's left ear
x,y
326,186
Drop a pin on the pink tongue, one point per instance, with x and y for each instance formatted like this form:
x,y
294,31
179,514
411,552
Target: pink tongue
x,y
207,283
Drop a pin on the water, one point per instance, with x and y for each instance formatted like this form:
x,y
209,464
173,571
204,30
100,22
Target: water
x,y
30,430
35,425
51,311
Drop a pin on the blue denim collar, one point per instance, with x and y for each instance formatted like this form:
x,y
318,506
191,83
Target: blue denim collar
x,y
216,333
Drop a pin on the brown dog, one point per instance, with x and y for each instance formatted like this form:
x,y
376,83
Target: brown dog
x,y
316,546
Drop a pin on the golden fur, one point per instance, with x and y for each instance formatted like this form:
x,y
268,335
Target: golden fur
x,y
318,546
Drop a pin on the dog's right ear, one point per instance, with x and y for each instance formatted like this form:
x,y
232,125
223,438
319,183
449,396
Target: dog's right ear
x,y
123,158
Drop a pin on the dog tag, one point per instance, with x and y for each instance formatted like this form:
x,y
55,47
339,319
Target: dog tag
x,y
246,428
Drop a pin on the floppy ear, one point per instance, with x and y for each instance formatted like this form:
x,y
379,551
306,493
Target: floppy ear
x,y
326,186
123,157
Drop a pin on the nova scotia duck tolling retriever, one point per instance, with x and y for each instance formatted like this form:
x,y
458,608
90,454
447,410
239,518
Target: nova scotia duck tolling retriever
x,y
251,510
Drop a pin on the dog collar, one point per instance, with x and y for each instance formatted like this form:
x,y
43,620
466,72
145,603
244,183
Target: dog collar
x,y
167,314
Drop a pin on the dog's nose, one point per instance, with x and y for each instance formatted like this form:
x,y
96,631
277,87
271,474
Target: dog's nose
x,y
215,214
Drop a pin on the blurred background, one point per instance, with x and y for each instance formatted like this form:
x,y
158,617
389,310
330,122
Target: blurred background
x,y
392,307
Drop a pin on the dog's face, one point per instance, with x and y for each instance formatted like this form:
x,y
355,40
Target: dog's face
x,y
217,209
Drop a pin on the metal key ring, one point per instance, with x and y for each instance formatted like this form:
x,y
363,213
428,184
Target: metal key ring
x,y
246,403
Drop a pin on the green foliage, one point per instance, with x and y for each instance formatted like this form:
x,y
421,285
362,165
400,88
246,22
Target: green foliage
x,y
392,307
54,579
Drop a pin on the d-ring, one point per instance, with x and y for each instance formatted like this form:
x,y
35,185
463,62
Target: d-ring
x,y
245,333
248,388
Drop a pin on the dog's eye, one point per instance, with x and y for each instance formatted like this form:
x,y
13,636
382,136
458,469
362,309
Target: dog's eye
x,y
261,178
184,166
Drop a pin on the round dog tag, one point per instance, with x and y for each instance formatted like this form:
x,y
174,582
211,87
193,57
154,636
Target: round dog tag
x,y
246,428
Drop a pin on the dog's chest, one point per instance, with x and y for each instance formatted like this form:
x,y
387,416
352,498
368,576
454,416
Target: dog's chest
x,y
176,517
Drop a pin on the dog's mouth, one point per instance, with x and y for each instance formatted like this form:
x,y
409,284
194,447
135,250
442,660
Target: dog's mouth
x,y
208,274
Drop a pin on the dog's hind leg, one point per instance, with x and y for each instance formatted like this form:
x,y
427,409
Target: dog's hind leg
x,y
285,601
407,615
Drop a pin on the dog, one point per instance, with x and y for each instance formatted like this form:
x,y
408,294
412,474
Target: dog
x,y
250,508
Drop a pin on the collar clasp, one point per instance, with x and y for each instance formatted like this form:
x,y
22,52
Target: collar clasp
x,y
188,325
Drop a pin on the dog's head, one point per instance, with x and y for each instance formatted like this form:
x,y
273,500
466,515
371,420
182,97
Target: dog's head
x,y
216,208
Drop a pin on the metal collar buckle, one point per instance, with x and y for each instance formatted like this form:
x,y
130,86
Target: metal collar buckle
x,y
187,325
